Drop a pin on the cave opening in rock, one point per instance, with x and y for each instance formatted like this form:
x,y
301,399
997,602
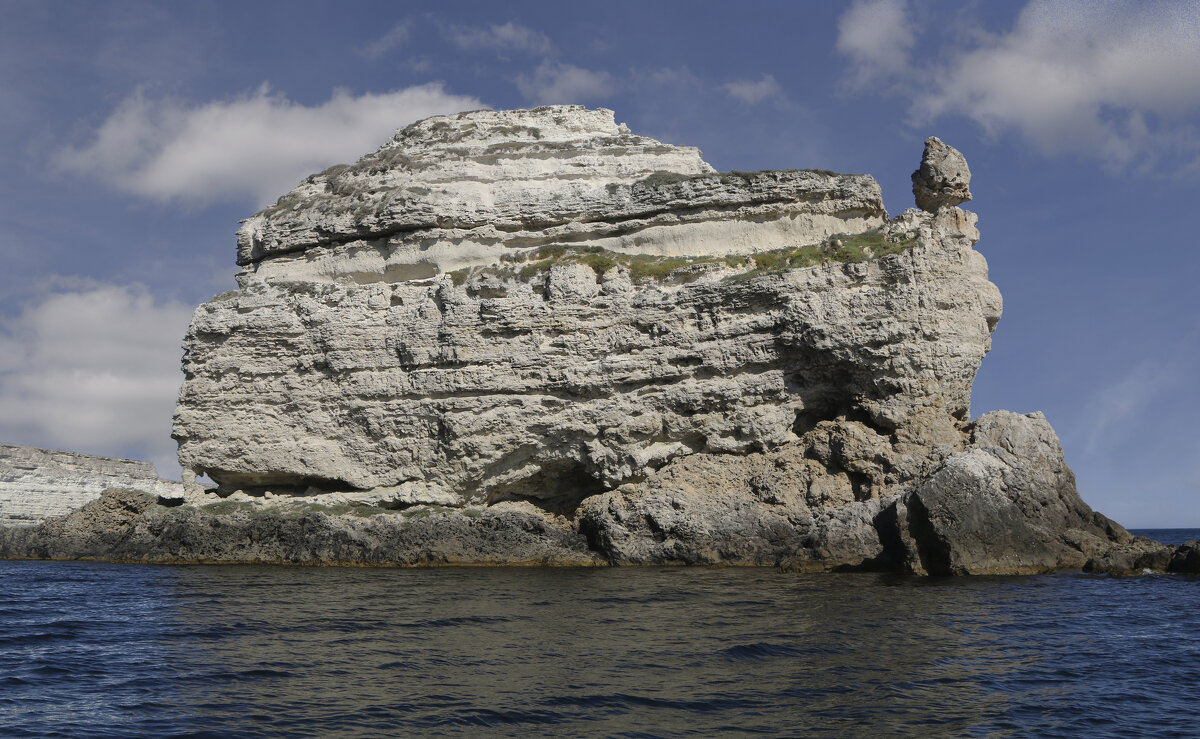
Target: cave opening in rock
x,y
278,483
557,487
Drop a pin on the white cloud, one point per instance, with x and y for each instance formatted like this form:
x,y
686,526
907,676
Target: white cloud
x,y
1112,407
877,35
257,146
507,37
553,83
94,368
1111,80
752,92
396,37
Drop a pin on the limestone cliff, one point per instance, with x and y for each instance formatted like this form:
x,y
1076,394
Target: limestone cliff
x,y
39,483
555,365
533,336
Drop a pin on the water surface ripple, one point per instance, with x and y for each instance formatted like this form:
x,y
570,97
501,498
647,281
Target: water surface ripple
x,y
98,650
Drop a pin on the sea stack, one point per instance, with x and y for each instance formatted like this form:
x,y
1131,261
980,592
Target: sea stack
x,y
560,341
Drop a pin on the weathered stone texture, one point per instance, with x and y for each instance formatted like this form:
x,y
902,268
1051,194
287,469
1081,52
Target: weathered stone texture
x,y
39,483
466,347
464,190
943,180
575,383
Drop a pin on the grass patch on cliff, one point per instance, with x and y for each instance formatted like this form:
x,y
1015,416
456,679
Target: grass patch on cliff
x,y
839,248
844,248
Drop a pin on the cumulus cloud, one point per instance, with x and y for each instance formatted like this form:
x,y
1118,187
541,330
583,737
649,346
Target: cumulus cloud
x,y
256,146
509,36
94,368
877,35
1112,80
752,92
395,38
553,83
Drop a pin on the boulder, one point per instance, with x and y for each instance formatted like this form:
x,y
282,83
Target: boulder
x,y
943,179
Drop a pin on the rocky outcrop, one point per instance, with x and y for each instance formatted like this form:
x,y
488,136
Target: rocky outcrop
x,y
533,336
1003,503
555,365
133,526
40,483
1186,558
466,190
573,382
943,180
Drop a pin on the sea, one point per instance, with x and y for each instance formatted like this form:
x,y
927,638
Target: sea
x,y
110,650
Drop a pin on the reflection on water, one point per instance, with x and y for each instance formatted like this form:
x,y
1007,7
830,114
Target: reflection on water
x,y
89,649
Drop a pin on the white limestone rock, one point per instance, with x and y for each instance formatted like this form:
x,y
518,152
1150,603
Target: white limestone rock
x,y
569,383
39,483
464,190
534,337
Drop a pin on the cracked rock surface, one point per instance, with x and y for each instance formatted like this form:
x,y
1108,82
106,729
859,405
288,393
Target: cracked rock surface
x,y
943,180
39,483
536,337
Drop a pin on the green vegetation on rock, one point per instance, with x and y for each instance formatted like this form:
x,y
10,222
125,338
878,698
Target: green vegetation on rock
x,y
525,266
843,248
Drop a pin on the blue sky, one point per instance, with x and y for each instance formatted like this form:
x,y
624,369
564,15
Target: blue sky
x,y
136,135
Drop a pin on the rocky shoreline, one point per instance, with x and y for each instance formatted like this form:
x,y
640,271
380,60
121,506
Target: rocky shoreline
x,y
533,337
130,526
1005,505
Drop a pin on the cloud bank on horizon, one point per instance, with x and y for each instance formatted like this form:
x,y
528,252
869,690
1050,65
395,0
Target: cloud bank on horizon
x,y
1114,86
94,366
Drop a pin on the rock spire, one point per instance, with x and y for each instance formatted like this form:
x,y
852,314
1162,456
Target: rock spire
x,y
943,179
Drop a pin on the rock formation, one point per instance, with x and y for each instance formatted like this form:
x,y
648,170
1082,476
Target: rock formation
x,y
533,336
943,180
550,363
40,483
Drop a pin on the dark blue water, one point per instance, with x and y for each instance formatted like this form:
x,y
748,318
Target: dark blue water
x,y
118,650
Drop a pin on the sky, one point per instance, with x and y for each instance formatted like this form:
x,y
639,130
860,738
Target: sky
x,y
135,135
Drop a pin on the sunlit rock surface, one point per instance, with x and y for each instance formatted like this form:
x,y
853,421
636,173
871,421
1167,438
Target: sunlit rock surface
x,y
39,483
534,336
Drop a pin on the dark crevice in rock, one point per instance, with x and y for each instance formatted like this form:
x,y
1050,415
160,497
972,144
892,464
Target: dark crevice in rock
x,y
279,483
557,487
894,552
931,551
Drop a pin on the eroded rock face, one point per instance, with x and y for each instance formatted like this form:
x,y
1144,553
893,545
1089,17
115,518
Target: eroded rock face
x,y
129,525
843,497
943,180
1002,502
651,361
574,382
465,190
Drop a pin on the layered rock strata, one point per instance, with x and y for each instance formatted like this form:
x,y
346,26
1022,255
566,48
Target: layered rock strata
x,y
532,336
40,483
527,377
464,190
